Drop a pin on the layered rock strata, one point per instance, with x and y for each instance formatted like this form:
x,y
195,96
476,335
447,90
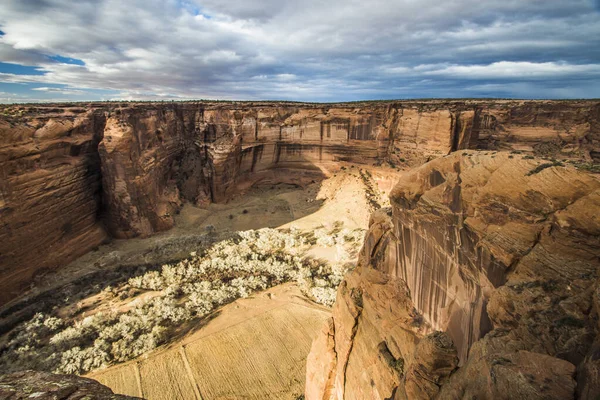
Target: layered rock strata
x,y
50,190
480,282
73,175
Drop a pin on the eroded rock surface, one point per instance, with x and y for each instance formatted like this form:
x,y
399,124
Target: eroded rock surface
x,y
45,386
480,282
72,175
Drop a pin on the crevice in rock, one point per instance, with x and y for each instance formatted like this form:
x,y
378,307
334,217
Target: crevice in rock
x,y
455,129
359,308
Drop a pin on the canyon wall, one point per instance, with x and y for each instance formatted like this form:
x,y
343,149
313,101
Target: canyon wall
x,y
73,175
480,282
49,192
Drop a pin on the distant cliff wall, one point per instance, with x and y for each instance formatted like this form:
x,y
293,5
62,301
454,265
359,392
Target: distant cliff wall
x,y
70,173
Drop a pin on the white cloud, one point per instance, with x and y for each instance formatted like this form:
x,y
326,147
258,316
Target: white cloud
x,y
310,50
516,70
62,91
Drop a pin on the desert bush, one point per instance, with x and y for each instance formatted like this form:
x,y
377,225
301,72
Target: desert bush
x,y
192,288
151,280
324,295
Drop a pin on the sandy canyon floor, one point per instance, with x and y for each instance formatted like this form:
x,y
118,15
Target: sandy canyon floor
x,y
348,196
253,347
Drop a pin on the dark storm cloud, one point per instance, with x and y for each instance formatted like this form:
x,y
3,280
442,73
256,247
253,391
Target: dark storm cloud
x,y
310,50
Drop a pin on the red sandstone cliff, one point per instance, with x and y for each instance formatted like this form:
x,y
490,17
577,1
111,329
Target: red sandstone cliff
x,y
49,192
480,282
71,173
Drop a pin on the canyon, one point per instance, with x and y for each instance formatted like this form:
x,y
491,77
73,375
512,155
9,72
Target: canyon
x,y
84,173
479,280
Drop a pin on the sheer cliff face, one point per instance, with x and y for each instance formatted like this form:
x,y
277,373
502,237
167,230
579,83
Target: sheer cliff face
x,y
139,154
71,176
475,244
49,192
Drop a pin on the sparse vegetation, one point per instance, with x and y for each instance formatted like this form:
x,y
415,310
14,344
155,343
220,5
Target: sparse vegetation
x,y
543,166
398,365
153,305
370,190
585,166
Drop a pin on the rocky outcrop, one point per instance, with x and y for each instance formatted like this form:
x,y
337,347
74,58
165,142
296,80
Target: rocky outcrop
x,y
72,172
481,282
45,386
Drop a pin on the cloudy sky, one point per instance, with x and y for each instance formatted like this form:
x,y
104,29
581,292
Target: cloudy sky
x,y
308,50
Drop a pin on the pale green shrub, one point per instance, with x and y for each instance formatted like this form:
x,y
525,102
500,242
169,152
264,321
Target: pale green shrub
x,y
324,295
150,280
192,288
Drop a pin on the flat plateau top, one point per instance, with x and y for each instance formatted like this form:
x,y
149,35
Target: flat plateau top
x,y
283,103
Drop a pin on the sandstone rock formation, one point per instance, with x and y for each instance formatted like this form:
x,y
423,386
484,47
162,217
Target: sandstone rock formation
x,y
138,153
73,175
45,386
49,192
480,282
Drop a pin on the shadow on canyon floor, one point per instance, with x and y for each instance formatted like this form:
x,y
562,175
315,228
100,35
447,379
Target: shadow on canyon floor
x,y
344,196
262,205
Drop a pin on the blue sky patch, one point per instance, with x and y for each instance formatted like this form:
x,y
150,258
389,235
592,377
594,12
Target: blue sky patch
x,y
17,69
67,60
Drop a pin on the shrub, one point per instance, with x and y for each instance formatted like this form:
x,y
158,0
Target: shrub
x,y
192,288
543,166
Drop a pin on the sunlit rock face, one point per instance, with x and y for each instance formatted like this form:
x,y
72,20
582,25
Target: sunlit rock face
x,y
480,281
74,175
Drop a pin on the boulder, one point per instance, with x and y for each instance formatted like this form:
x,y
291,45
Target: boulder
x,y
45,386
